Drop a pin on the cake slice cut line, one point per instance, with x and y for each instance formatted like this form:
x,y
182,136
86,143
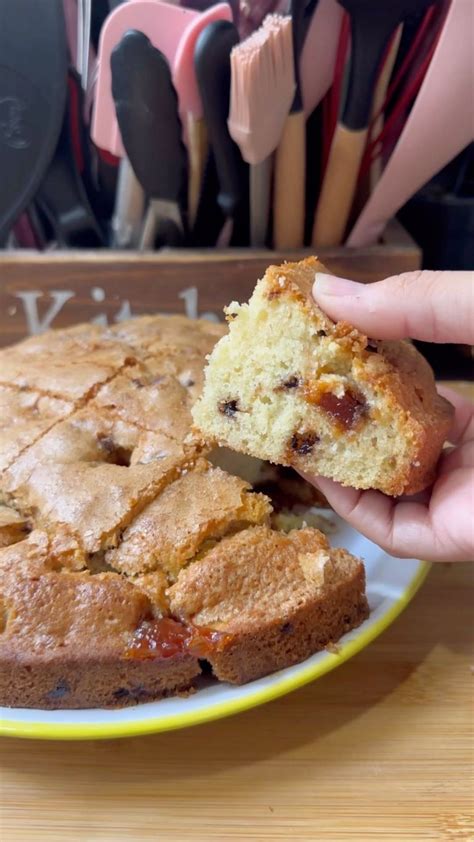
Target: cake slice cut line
x,y
189,515
87,485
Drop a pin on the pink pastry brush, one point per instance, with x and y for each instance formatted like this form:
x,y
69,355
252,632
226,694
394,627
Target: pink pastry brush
x,y
262,90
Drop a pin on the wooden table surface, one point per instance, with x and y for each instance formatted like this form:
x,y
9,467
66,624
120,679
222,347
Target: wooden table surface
x,y
379,749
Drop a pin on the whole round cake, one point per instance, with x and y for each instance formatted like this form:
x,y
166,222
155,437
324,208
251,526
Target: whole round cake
x,y
130,559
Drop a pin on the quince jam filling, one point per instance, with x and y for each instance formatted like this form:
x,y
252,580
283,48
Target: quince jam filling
x,y
167,638
346,410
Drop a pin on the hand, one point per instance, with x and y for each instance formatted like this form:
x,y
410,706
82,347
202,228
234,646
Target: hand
x,y
435,307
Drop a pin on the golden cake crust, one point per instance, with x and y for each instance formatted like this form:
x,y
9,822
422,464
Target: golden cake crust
x,y
201,505
24,417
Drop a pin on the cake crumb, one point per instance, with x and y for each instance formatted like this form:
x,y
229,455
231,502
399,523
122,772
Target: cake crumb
x,y
313,566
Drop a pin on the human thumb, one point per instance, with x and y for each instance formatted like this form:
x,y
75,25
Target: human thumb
x,y
425,305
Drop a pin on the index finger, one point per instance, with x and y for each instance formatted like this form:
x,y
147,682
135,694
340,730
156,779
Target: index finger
x,y
431,306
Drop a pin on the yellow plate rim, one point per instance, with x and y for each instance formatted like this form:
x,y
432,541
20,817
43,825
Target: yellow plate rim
x,y
50,731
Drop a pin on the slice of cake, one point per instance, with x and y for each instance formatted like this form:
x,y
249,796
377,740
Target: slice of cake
x,y
289,385
64,643
274,599
190,515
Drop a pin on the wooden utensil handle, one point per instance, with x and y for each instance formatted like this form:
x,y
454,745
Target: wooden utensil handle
x,y
197,150
379,98
129,206
290,174
339,183
260,189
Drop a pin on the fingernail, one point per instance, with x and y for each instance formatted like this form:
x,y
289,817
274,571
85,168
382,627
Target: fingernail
x,y
330,285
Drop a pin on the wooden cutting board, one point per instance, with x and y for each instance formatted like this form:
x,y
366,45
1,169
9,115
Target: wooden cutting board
x,y
380,749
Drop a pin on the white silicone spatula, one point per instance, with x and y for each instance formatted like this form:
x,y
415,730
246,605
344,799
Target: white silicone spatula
x,y
441,124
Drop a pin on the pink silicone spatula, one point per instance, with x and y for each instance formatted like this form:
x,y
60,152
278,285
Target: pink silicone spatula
x,y
164,25
440,125
174,31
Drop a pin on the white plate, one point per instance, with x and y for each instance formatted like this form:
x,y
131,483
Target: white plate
x,y
391,584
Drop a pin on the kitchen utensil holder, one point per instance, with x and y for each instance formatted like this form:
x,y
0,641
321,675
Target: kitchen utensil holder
x,y
39,290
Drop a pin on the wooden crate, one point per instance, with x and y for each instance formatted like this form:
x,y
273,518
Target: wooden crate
x,y
55,289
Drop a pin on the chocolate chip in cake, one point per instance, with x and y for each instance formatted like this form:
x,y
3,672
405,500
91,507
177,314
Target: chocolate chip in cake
x,y
138,383
229,408
62,689
303,443
186,382
107,444
287,628
290,383
346,410
121,694
139,693
133,694
116,455
321,333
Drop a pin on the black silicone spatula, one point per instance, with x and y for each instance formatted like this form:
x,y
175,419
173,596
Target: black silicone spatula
x,y
33,77
127,218
62,196
212,63
147,114
372,24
